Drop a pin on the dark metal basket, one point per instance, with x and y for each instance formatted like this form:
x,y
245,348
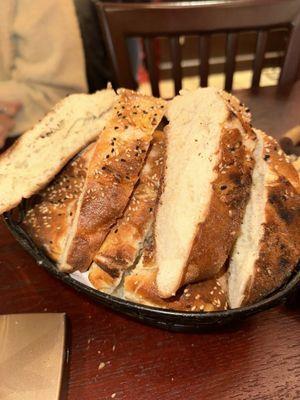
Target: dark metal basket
x,y
167,319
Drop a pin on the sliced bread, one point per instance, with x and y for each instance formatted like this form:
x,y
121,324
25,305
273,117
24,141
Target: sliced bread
x,y
34,159
206,186
123,244
50,213
114,169
268,246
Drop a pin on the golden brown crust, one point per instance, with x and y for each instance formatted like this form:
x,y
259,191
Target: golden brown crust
x,y
103,280
114,169
140,287
123,244
280,244
50,213
217,234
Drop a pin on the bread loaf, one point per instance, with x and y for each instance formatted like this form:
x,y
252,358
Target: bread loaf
x,y
123,244
113,172
206,186
50,214
34,159
268,246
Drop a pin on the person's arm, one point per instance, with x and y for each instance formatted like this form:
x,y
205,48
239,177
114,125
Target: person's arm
x,y
49,60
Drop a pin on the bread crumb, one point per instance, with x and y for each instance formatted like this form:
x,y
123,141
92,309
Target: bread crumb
x,y
101,365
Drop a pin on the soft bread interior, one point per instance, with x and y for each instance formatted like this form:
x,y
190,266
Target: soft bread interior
x,y
193,137
40,153
246,249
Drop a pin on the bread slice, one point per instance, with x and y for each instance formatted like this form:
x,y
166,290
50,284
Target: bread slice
x,y
123,244
51,212
206,186
268,246
106,281
35,158
140,287
113,172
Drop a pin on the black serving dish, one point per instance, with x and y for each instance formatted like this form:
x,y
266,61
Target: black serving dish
x,y
167,319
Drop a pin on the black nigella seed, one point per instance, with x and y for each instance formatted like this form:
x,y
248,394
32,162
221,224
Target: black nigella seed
x,y
116,127
134,112
122,159
127,177
150,209
107,156
266,157
223,187
116,230
112,150
103,168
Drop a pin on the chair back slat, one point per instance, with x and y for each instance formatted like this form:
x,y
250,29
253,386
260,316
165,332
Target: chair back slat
x,y
176,62
203,19
151,65
204,59
261,44
291,64
231,48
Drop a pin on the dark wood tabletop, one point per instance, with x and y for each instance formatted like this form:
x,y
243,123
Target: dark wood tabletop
x,y
113,356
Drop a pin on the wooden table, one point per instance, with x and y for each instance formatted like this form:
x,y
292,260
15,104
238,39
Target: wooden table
x,y
258,359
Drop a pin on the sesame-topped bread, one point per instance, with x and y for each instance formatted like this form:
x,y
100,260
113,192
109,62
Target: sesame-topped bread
x,y
114,169
268,247
49,217
206,186
39,154
140,287
123,244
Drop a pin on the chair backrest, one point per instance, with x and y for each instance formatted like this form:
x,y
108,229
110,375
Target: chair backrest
x,y
172,20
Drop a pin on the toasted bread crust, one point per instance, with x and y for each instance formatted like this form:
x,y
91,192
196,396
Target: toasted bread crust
x,y
113,171
140,287
280,244
217,234
48,218
123,244
102,280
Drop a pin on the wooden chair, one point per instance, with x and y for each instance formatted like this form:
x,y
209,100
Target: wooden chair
x,y
172,20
